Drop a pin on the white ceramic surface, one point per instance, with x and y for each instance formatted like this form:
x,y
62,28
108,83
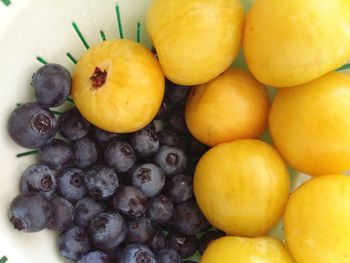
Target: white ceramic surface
x,y
30,28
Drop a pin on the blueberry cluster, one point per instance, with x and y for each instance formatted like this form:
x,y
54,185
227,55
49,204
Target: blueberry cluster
x,y
124,198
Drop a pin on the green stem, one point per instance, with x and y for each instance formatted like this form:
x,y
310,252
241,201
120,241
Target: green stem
x,y
103,36
80,35
26,154
344,67
69,55
41,60
121,34
138,32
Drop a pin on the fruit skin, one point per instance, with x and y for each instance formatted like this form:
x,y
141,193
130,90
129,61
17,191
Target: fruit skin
x,y
130,201
52,84
296,42
312,134
135,253
62,214
73,243
140,231
120,156
168,255
30,212
158,242
180,31
85,210
160,209
107,230
32,126
70,184
72,125
242,187
232,106
84,153
171,159
246,250
185,245
317,220
145,142
38,178
57,155
133,91
208,237
94,257
180,188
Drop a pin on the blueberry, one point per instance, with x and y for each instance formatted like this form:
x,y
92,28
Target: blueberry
x,y
195,147
158,242
140,231
52,84
32,126
102,136
189,261
73,243
176,93
179,189
185,245
101,182
188,219
149,178
130,201
70,184
85,210
62,214
95,257
84,153
107,230
29,212
38,178
171,138
120,156
207,238
57,155
72,125
160,209
171,159
135,253
168,255
145,142
163,111
177,120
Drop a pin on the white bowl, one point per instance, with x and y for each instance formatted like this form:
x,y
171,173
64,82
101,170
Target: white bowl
x,y
43,28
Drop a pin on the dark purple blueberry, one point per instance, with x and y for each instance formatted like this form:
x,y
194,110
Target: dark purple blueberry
x,y
145,142
95,257
185,245
85,210
207,238
179,189
70,184
130,201
72,125
158,242
107,230
176,93
120,156
73,244
149,178
62,214
160,209
139,231
168,255
163,111
52,84
30,212
171,138
195,147
38,178
102,136
188,219
135,253
32,126
177,120
189,261
84,153
101,182
57,155
171,159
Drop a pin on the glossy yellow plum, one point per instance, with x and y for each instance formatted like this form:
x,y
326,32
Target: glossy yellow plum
x,y
289,43
246,250
242,187
310,125
118,86
317,220
232,106
196,40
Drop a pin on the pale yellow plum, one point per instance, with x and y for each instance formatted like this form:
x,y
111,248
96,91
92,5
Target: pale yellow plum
x,y
230,107
288,43
246,250
310,125
317,220
118,86
196,40
242,187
